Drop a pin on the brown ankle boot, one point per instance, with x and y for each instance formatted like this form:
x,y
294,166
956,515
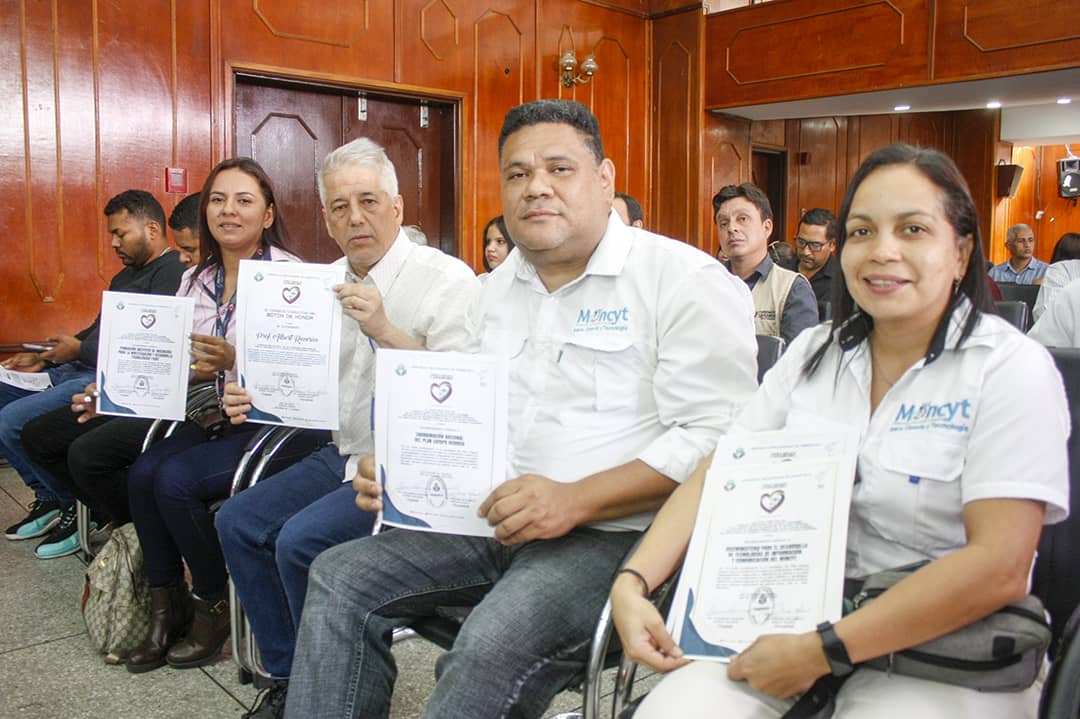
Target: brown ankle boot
x,y
170,616
209,630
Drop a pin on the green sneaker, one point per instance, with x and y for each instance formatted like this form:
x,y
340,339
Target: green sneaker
x,y
63,539
43,516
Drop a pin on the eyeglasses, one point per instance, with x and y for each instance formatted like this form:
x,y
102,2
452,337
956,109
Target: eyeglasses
x,y
814,246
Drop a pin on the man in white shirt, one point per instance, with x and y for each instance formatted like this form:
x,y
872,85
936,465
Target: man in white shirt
x,y
398,295
1022,267
629,354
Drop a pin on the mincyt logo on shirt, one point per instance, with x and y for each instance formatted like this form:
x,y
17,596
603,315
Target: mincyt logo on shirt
x,y
953,416
602,319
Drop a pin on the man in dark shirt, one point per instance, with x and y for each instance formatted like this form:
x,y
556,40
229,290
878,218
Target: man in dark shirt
x,y
136,224
816,244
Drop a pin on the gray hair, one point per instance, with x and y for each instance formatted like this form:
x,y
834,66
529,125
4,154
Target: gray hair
x,y
1012,232
365,153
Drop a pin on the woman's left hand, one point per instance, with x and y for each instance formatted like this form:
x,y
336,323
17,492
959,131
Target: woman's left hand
x,y
211,354
781,665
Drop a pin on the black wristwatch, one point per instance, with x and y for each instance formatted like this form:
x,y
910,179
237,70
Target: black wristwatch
x,y
835,652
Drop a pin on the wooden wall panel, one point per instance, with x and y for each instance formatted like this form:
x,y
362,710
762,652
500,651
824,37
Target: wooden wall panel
x,y
817,166
1038,193
619,93
677,113
726,151
981,38
973,147
790,50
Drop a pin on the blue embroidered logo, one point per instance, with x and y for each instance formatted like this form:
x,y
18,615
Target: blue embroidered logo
x,y
616,319
927,415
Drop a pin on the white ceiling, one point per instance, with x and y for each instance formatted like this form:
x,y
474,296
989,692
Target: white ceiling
x,y
1043,88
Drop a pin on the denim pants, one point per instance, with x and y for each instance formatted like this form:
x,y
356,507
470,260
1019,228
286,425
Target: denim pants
x,y
170,489
19,406
272,532
536,606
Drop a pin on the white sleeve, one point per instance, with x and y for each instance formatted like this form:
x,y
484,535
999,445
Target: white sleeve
x,y
1058,325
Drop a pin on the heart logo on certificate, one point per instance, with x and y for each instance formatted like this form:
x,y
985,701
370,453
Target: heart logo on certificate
x,y
441,391
290,294
147,320
771,501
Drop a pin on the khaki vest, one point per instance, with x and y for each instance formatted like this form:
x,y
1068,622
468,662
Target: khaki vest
x,y
770,295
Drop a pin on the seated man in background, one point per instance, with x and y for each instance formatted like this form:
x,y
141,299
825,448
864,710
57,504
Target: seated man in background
x,y
815,241
784,304
136,223
1022,267
615,398
398,295
629,210
89,457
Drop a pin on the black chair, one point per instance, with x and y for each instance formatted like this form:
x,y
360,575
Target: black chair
x,y
1017,313
1012,292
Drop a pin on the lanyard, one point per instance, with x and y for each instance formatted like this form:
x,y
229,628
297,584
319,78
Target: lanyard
x,y
223,311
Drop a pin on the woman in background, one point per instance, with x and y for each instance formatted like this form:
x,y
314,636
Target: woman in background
x,y
497,244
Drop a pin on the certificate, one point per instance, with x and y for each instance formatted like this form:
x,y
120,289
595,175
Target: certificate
x,y
767,553
143,354
288,338
440,438
32,381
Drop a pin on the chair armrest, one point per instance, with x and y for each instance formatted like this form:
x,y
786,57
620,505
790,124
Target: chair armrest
x,y
1061,693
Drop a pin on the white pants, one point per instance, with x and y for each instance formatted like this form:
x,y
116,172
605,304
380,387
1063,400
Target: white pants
x,y
702,689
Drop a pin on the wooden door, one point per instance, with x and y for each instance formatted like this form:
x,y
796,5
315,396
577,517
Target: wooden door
x,y
289,129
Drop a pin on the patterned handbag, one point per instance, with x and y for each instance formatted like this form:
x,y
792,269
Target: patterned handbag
x,y
116,596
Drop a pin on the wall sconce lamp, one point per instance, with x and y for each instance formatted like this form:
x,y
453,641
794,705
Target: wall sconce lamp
x,y
568,68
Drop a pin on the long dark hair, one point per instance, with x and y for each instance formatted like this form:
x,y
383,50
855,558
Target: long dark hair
x,y
499,222
1067,248
959,210
273,236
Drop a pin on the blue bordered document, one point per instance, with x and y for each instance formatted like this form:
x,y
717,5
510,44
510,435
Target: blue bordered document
x,y
767,552
144,353
288,342
440,438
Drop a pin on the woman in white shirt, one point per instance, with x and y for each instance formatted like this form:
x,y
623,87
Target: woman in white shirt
x,y
970,494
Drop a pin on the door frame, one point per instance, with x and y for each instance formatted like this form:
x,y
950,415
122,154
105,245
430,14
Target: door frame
x,y
234,69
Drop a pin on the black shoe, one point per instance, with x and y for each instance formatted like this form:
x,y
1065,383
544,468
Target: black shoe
x,y
43,516
270,704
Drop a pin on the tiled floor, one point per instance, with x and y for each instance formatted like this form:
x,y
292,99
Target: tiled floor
x,y
49,670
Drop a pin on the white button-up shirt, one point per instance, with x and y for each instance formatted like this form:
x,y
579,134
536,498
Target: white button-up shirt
x,y
648,355
986,420
426,294
1059,326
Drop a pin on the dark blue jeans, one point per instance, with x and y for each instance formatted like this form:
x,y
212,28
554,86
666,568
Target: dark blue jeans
x,y
536,606
272,532
170,489
19,406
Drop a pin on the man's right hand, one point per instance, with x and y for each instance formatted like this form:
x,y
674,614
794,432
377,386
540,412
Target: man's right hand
x,y
24,362
237,402
84,403
368,490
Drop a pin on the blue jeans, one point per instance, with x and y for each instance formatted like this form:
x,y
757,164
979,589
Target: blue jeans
x,y
19,406
536,606
272,532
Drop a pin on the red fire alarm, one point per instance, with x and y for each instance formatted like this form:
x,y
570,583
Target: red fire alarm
x,y
175,179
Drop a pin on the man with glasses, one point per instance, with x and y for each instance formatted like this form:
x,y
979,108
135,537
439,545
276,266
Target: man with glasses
x,y
784,304
1022,268
816,243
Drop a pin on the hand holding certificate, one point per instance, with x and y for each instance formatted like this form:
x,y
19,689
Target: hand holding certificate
x,y
142,365
288,339
768,549
440,438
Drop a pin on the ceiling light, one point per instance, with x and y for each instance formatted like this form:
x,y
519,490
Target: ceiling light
x,y
993,104
1064,100
902,108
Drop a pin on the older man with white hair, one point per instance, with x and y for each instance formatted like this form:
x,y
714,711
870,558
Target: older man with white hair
x,y
1022,267
398,295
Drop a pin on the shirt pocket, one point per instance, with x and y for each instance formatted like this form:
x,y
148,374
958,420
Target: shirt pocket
x,y
611,368
914,497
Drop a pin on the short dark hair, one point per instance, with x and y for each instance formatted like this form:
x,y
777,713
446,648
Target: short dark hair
x,y
747,190
818,217
138,203
500,223
633,208
185,216
561,112
1067,247
959,209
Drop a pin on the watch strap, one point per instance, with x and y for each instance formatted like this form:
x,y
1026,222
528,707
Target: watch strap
x,y
840,663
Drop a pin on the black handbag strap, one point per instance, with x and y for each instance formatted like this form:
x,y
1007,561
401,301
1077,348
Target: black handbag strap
x,y
819,701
